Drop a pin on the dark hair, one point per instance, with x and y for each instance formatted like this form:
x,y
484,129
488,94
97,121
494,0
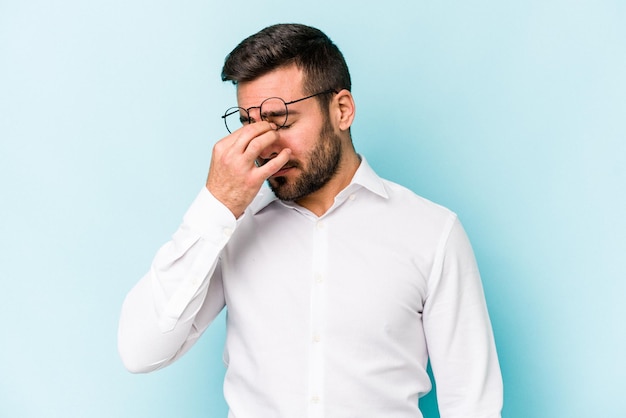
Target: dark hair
x,y
276,46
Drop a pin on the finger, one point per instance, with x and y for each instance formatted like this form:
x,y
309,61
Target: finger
x,y
244,135
257,145
275,164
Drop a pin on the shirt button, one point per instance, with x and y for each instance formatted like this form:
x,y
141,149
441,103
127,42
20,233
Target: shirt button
x,y
352,197
227,231
315,399
317,338
319,278
320,225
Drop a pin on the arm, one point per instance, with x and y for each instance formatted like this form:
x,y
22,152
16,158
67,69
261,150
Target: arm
x,y
459,335
170,307
167,311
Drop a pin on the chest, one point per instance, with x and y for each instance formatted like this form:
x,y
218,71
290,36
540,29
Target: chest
x,y
347,273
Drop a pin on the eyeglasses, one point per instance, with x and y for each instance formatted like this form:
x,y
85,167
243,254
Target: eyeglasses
x,y
273,110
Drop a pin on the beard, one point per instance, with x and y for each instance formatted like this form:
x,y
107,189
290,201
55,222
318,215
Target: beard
x,y
322,165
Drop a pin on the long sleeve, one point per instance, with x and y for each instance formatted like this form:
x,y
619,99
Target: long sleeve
x,y
168,309
459,335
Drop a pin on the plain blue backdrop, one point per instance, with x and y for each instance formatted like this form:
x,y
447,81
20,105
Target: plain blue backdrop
x,y
512,114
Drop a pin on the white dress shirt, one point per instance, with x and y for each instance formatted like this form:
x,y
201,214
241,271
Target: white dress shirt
x,y
333,316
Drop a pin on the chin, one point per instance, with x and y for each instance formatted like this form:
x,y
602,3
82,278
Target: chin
x,y
282,188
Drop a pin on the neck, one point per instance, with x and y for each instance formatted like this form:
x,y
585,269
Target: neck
x,y
320,201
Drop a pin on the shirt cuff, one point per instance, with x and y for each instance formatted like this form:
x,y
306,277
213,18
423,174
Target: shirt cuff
x,y
209,218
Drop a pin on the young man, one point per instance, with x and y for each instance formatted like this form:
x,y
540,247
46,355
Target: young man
x,y
339,285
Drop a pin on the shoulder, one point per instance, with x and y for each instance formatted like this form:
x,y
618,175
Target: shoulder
x,y
403,198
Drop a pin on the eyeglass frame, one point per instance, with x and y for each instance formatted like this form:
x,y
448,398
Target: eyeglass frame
x,y
237,109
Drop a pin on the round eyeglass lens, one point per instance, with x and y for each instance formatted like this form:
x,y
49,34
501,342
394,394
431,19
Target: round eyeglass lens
x,y
274,110
235,118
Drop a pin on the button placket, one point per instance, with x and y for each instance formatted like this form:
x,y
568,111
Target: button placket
x,y
317,314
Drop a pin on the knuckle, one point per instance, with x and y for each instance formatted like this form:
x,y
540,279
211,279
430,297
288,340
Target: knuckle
x,y
219,147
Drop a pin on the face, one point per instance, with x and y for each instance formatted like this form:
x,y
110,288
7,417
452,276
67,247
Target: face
x,y
316,148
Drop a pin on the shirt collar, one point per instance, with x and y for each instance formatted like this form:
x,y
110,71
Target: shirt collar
x,y
364,177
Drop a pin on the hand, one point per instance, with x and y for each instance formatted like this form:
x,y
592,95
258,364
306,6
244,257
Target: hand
x,y
234,178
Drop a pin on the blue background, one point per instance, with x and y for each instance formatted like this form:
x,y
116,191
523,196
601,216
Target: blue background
x,y
513,114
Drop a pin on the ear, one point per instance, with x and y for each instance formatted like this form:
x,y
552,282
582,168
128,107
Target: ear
x,y
344,109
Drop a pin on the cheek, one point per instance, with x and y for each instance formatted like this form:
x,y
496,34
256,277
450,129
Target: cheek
x,y
302,137
299,141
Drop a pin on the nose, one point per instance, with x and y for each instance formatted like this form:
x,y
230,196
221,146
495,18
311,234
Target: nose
x,y
264,158
267,155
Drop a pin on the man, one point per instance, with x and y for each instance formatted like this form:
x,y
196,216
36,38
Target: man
x,y
339,285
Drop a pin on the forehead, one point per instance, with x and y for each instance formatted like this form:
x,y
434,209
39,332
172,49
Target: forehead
x,y
284,82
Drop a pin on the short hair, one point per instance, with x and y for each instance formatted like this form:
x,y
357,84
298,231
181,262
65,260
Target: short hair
x,y
321,61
